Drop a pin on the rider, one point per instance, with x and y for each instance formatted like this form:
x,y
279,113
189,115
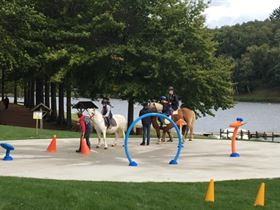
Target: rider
x,y
106,111
173,98
166,109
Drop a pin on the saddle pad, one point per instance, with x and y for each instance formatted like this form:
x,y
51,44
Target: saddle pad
x,y
166,122
175,112
113,122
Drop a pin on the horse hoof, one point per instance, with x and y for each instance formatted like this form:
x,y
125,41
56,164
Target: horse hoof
x,y
105,148
114,145
170,140
97,146
190,140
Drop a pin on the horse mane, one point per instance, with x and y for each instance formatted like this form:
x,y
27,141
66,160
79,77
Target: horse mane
x,y
96,112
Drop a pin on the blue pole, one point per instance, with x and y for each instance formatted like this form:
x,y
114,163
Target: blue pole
x,y
172,162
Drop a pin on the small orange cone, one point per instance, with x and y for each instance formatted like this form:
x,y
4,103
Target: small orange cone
x,y
260,196
210,195
84,148
52,146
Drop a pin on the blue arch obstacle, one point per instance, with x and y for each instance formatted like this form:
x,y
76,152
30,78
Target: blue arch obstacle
x,y
172,162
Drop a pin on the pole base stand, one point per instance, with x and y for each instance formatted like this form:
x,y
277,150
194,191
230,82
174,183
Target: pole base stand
x,y
173,162
133,164
234,154
8,158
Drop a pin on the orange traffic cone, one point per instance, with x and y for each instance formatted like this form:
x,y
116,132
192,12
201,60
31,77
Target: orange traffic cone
x,y
210,195
260,196
84,148
52,146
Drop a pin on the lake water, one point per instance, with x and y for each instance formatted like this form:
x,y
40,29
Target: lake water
x,y
258,116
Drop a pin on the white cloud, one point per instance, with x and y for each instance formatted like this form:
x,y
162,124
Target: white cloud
x,y
229,12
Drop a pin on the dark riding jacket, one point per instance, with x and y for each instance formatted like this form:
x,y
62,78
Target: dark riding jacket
x,y
174,101
167,109
146,120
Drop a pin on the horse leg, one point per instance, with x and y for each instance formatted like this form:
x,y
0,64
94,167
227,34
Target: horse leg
x,y
186,133
184,128
116,138
170,136
157,128
123,133
104,139
99,139
191,128
164,134
191,133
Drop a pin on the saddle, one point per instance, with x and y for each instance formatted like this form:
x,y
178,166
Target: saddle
x,y
166,122
113,122
110,122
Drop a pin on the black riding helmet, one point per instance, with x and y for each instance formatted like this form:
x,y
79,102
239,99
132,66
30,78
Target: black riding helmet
x,y
105,101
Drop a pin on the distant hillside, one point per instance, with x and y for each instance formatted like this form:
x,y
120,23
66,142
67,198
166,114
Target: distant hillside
x,y
254,48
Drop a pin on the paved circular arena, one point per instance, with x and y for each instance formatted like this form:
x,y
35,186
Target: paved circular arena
x,y
200,160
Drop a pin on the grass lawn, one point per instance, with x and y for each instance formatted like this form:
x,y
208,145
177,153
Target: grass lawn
x,y
19,133
20,193
14,133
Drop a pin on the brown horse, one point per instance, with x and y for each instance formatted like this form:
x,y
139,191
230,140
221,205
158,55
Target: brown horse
x,y
184,113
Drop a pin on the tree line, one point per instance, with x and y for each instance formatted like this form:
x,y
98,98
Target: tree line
x,y
254,48
131,50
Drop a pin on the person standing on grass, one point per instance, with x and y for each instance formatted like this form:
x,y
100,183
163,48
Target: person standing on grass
x,y
86,127
146,123
6,102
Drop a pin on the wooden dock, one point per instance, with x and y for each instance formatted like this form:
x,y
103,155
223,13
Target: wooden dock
x,y
250,135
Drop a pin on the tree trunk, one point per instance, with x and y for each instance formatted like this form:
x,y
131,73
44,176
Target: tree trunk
x,y
61,118
25,94
130,114
53,102
69,105
15,92
3,84
39,92
248,89
31,94
47,94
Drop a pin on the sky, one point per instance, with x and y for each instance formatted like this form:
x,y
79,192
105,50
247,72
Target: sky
x,y
230,12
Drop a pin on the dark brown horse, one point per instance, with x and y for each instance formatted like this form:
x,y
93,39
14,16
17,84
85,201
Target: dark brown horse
x,y
186,114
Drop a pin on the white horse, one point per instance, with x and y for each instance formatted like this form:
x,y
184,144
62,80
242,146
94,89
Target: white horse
x,y
100,127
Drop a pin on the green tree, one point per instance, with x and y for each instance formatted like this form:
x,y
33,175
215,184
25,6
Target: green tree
x,y
19,30
275,15
154,45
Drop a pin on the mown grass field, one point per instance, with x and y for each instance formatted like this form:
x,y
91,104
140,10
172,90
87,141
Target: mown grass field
x,y
28,194
20,133
14,133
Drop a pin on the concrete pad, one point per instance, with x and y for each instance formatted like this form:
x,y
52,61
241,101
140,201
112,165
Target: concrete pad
x,y
200,160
